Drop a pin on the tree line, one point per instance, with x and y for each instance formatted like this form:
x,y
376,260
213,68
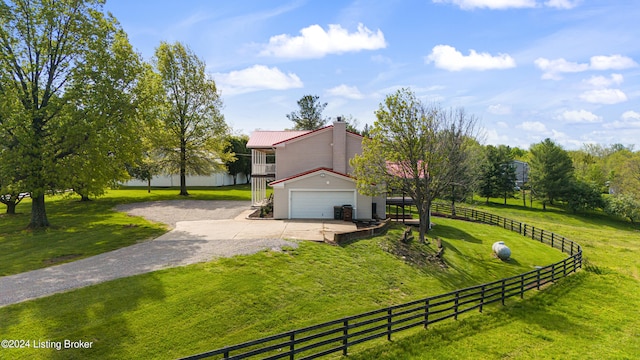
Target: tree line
x,y
427,152
81,110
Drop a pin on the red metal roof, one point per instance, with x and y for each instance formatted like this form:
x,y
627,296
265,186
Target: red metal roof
x,y
304,134
266,139
310,172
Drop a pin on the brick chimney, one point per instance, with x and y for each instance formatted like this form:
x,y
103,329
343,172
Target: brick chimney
x,y
340,146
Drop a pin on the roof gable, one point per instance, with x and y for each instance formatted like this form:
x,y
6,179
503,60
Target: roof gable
x,y
309,173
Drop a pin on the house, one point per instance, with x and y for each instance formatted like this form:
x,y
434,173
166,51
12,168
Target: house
x,y
522,172
310,173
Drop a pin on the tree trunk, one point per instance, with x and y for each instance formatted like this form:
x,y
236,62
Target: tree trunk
x,y
11,207
149,186
38,213
235,179
453,200
84,197
183,169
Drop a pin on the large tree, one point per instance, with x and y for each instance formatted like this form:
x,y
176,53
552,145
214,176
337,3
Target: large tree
x,y
192,139
497,173
551,173
413,148
309,116
241,162
49,52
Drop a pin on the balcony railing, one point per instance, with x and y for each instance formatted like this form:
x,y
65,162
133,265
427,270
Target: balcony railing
x,y
263,169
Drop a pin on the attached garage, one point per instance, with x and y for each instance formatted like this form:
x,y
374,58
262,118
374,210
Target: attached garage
x,y
318,204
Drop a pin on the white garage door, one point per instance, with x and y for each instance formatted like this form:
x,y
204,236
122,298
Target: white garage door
x,y
318,204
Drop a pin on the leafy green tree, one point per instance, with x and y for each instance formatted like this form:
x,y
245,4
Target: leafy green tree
x,y
309,116
551,171
410,149
241,163
583,196
50,51
624,205
497,174
192,140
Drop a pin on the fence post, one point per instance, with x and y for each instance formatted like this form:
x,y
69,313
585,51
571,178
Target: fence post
x,y
562,244
426,314
524,233
538,278
455,305
564,268
521,286
482,298
389,324
572,248
552,238
542,236
345,337
292,346
503,292
553,272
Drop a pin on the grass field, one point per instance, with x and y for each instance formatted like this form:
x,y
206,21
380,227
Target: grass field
x,y
82,229
177,312
594,314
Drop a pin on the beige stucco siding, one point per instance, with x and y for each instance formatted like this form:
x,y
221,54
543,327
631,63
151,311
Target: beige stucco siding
x,y
319,183
354,146
296,157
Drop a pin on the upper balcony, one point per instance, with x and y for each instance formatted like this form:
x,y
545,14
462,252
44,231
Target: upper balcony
x,y
263,169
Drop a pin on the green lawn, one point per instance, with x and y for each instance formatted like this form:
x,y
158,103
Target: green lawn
x,y
594,314
83,229
178,312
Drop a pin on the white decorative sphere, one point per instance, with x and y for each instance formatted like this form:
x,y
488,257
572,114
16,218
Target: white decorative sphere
x,y
501,250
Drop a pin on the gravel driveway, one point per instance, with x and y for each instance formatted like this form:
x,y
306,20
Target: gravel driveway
x,y
182,246
172,211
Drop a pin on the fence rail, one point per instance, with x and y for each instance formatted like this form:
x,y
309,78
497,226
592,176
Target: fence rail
x,y
338,335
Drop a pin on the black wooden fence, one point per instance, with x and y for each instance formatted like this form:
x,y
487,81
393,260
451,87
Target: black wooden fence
x,y
338,335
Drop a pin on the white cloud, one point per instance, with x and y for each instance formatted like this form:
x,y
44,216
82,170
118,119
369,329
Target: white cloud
x,y
604,96
631,115
630,120
448,58
350,92
613,62
534,126
315,42
562,4
579,116
603,82
553,68
255,78
490,4
499,109
509,4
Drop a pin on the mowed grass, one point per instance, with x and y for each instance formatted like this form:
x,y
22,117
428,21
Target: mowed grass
x,y
182,311
82,229
594,314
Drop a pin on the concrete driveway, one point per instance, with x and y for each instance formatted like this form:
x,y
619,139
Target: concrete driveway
x,y
212,234
241,228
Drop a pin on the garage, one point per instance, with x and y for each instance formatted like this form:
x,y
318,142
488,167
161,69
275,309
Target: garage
x,y
314,204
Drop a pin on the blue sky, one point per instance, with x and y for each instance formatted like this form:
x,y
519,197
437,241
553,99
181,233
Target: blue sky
x,y
528,69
